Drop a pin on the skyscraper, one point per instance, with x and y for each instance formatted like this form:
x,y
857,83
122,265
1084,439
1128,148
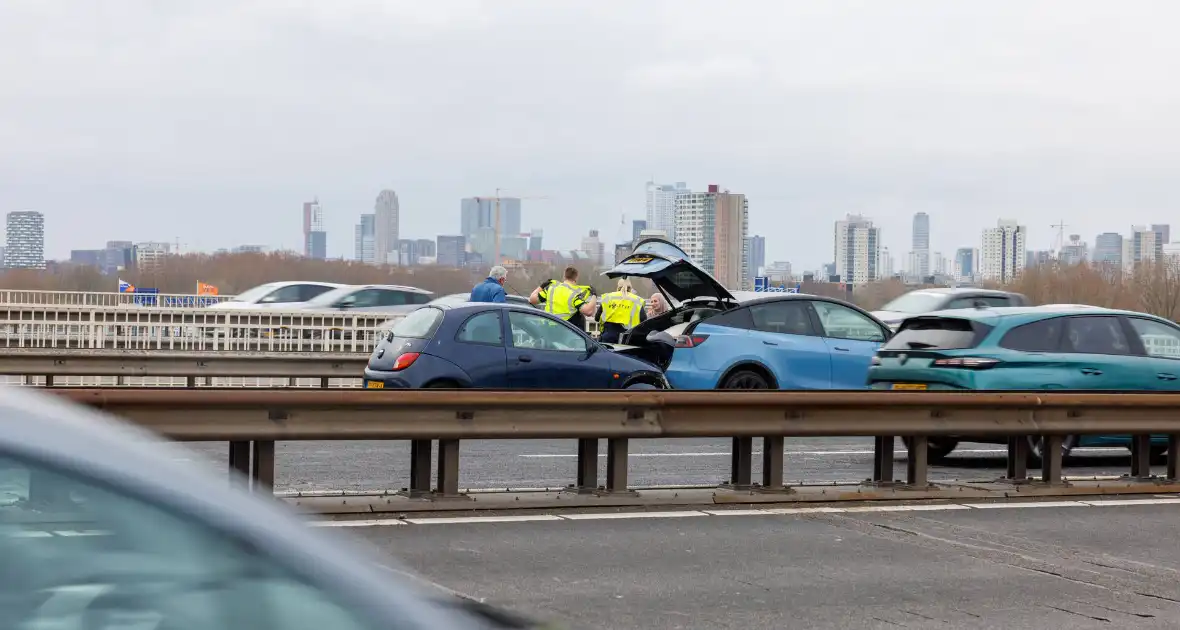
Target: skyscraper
x,y
637,228
966,266
1108,249
365,238
478,222
593,246
26,240
451,251
921,245
858,250
385,228
315,240
1163,234
661,207
757,248
1003,254
1141,246
711,227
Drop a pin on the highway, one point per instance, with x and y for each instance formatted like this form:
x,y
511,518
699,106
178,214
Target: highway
x,y
1035,566
501,464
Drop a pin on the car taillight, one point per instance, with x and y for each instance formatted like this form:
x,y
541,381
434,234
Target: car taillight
x,y
876,360
405,360
966,363
690,341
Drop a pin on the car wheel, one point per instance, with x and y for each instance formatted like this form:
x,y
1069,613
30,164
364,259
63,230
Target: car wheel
x,y
745,379
641,386
444,385
1036,445
937,448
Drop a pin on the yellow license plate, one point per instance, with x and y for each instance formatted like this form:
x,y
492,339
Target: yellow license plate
x,y
640,259
910,386
375,385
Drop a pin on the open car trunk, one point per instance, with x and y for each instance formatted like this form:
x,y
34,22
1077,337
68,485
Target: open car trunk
x,y
691,293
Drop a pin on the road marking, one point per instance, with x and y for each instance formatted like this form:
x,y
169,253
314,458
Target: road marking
x,y
1039,504
618,515
978,451
905,508
1117,502
366,523
484,519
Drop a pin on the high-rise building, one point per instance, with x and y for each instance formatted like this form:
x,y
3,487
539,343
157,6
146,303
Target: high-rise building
x,y
885,266
1141,246
966,264
622,251
478,222
637,228
386,232
535,240
1002,256
87,257
365,236
426,248
26,240
756,245
1074,252
1163,233
117,256
1108,249
858,250
662,207
711,227
921,245
451,251
150,255
315,240
593,247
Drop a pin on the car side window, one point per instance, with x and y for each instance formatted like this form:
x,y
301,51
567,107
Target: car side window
x,y
1042,336
737,318
1159,339
1094,334
841,322
309,291
391,298
986,300
784,317
289,293
74,549
418,298
536,332
482,328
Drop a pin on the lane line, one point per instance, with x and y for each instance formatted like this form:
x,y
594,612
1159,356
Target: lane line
x,y
1118,502
1023,504
526,518
1093,449
907,508
373,522
623,515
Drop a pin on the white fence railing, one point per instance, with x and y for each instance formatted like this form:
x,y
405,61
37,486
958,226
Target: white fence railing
x,y
187,329
98,298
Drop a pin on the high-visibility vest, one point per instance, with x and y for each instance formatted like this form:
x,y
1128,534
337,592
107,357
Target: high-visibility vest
x,y
621,308
562,300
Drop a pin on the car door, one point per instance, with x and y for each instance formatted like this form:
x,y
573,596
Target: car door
x,y
1096,352
544,353
792,346
479,350
852,339
1159,365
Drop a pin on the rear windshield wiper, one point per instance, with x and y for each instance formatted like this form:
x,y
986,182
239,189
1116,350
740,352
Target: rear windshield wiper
x,y
918,345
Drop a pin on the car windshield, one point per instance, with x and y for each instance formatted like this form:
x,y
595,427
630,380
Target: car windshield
x,y
452,299
916,302
417,325
253,295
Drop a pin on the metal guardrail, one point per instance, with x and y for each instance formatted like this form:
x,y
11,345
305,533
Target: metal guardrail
x,y
29,297
252,421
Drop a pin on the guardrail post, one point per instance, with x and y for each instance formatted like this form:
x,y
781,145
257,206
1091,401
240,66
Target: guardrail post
x,y
1018,452
263,470
419,470
448,469
741,464
616,466
772,464
1140,456
1173,456
883,459
587,467
239,460
916,468
1051,460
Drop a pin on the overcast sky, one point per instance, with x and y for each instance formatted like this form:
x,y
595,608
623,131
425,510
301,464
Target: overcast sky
x,y
212,121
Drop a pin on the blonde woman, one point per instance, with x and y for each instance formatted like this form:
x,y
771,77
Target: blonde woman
x,y
619,312
656,305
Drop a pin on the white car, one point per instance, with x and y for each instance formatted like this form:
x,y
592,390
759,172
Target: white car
x,y
276,295
369,298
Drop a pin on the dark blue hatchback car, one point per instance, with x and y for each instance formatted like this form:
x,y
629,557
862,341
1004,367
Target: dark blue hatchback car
x,y
499,346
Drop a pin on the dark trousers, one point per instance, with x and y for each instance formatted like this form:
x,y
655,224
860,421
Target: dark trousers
x,y
611,333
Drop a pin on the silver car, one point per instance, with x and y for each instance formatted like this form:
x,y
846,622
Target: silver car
x,y
369,298
101,526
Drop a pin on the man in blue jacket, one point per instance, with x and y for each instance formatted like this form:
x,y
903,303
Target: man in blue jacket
x,y
491,289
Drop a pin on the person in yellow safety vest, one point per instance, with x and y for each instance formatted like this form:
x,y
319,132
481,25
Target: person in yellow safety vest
x,y
566,299
620,311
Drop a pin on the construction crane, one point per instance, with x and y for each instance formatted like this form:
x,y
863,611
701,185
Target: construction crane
x,y
1060,240
496,217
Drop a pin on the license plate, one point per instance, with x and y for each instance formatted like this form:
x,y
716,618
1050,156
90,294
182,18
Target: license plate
x,y
639,259
910,386
375,385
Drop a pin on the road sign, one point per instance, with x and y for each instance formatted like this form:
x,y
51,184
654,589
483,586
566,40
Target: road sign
x,y
762,285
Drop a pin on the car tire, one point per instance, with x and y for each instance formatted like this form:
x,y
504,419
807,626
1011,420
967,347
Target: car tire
x,y
641,386
444,385
1036,443
745,379
937,448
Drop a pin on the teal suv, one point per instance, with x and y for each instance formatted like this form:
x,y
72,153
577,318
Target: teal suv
x,y
1045,348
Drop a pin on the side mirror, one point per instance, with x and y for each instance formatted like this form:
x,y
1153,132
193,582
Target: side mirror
x,y
347,302
659,336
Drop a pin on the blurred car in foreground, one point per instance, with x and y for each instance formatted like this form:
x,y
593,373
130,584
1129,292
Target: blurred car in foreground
x,y
715,339
455,299
102,527
276,295
368,298
944,299
499,346
1074,348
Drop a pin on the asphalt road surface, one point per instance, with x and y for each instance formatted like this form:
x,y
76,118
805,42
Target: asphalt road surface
x,y
379,466
1036,567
